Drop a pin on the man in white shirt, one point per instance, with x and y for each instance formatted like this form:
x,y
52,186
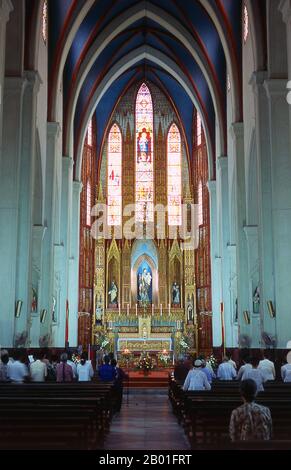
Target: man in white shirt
x,y
72,364
226,371
255,374
196,379
268,369
246,365
286,373
38,369
17,370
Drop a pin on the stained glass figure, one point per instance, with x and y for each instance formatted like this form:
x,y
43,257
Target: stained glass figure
x,y
174,176
144,156
114,175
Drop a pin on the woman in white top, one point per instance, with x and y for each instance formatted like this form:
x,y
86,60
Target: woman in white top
x,y
196,379
84,369
255,374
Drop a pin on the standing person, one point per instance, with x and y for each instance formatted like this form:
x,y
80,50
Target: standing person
x,y
64,370
246,365
17,370
72,364
196,379
85,370
286,372
106,371
255,374
120,376
267,367
207,371
226,371
250,421
181,370
4,359
38,369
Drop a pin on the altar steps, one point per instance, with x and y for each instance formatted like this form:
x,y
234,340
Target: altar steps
x,y
147,382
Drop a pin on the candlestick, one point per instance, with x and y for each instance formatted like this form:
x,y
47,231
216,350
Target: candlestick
x,y
169,310
161,310
152,309
127,309
136,309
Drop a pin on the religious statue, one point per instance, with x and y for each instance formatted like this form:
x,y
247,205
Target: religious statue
x,y
256,300
144,146
144,286
113,293
176,294
34,300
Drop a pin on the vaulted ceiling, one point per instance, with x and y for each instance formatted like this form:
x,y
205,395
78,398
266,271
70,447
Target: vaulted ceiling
x,y
98,48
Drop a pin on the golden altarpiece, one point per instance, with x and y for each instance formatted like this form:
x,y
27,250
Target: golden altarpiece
x,y
144,285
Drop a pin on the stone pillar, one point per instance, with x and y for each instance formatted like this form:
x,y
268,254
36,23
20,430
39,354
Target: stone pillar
x,y
73,289
62,251
51,185
24,281
223,224
215,266
281,204
5,8
241,249
251,233
265,226
9,198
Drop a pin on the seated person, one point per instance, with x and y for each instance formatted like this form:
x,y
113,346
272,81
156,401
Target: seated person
x,y
196,379
250,421
226,371
255,373
106,371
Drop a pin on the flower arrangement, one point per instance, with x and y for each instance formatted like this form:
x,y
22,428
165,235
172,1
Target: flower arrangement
x,y
145,363
211,360
184,343
76,358
164,358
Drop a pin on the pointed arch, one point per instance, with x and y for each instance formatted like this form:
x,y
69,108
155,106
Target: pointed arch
x,y
174,175
114,175
144,153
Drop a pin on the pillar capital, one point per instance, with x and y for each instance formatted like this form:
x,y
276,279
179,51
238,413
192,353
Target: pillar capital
x,y
5,9
211,184
237,130
67,163
33,79
222,163
285,8
77,186
53,129
276,87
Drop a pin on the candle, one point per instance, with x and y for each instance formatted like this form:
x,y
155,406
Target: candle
x,y
161,309
169,309
119,309
136,309
127,309
152,309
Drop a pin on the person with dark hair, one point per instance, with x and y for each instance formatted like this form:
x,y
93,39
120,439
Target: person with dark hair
x,y
246,365
38,369
17,370
72,364
181,370
226,371
4,359
64,370
196,379
267,367
106,371
85,370
119,378
255,373
250,421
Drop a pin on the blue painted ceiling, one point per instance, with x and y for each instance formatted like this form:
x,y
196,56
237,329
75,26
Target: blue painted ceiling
x,y
192,16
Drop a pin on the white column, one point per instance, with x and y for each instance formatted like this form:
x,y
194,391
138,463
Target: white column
x,y
281,204
241,250
24,279
5,8
9,198
50,216
73,285
215,267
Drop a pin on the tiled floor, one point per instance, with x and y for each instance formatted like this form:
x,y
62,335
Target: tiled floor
x,y
146,422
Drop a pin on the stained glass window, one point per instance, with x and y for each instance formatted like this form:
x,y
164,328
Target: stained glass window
x,y
144,156
88,204
44,21
199,130
114,184
246,24
174,176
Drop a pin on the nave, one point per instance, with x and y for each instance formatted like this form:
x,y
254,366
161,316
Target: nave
x,y
146,422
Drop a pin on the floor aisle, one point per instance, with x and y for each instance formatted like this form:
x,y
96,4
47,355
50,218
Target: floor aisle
x,y
146,422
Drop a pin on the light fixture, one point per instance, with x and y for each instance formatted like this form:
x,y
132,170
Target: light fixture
x,y
18,306
271,309
43,314
247,317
